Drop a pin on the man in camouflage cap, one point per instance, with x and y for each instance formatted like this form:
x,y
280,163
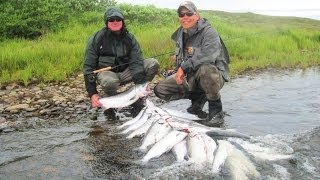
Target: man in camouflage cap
x,y
202,66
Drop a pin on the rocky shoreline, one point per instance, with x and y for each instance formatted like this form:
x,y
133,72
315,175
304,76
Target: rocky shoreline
x,y
43,105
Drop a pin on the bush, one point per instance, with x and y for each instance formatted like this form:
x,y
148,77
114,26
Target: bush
x,y
32,18
148,14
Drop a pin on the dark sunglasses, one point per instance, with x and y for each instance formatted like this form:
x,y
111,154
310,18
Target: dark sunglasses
x,y
187,13
114,19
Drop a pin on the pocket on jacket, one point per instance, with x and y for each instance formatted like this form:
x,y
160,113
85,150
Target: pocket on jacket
x,y
105,61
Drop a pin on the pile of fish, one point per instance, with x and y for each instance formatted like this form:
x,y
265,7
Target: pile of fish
x,y
189,141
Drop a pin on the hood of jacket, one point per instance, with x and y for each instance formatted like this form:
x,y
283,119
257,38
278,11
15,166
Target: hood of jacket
x,y
113,11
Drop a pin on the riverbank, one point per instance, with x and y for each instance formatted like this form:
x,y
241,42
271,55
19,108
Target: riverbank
x,y
54,104
42,105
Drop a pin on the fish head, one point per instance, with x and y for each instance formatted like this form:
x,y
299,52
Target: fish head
x,y
144,90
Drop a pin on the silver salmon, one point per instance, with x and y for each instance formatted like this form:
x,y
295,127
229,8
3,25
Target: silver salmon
x,y
126,98
165,144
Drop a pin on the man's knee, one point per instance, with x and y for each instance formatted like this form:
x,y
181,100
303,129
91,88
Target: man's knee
x,y
207,69
151,67
211,81
151,62
108,79
110,88
157,91
109,82
161,93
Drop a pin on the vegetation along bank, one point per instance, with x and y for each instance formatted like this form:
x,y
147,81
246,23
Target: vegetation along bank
x,y
46,44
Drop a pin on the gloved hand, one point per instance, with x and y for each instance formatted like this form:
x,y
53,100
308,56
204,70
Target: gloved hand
x,y
179,76
139,78
95,101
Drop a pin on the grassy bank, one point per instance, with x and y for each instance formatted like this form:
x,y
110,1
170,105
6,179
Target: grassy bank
x,y
254,42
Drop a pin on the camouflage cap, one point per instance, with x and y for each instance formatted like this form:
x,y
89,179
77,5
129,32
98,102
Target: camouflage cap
x,y
188,5
111,12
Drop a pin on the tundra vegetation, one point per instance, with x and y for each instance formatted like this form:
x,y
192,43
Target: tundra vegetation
x,y
44,41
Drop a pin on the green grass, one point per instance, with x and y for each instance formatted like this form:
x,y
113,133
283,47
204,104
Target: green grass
x,y
255,42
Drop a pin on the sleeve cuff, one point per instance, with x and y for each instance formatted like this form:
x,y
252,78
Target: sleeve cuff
x,y
186,66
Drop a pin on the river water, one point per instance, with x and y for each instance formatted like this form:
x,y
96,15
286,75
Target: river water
x,y
280,110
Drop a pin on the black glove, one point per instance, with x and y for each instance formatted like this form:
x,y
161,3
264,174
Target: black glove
x,y
139,78
90,83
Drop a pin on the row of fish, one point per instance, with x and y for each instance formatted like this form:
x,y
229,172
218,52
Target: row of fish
x,y
189,141
165,130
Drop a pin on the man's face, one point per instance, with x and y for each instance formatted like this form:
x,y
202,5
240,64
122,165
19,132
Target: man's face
x,y
188,19
114,23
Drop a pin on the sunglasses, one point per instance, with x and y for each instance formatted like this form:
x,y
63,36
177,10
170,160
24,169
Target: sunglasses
x,y
187,13
114,19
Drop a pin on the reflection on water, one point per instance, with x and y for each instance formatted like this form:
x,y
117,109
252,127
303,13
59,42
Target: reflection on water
x,y
280,110
274,103
43,153
270,103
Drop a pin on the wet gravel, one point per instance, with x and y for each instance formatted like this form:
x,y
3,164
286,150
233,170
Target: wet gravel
x,y
43,105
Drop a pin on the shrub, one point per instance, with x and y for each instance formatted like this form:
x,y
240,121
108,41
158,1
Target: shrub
x,y
32,18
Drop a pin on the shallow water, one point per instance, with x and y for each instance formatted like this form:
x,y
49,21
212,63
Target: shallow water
x,y
270,103
281,110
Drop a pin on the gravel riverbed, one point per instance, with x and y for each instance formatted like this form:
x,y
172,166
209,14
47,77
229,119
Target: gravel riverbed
x,y
46,104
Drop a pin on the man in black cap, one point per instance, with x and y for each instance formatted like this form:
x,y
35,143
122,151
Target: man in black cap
x,y
113,46
202,66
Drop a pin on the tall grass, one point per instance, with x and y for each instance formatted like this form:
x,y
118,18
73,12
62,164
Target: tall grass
x,y
254,42
155,42
257,42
